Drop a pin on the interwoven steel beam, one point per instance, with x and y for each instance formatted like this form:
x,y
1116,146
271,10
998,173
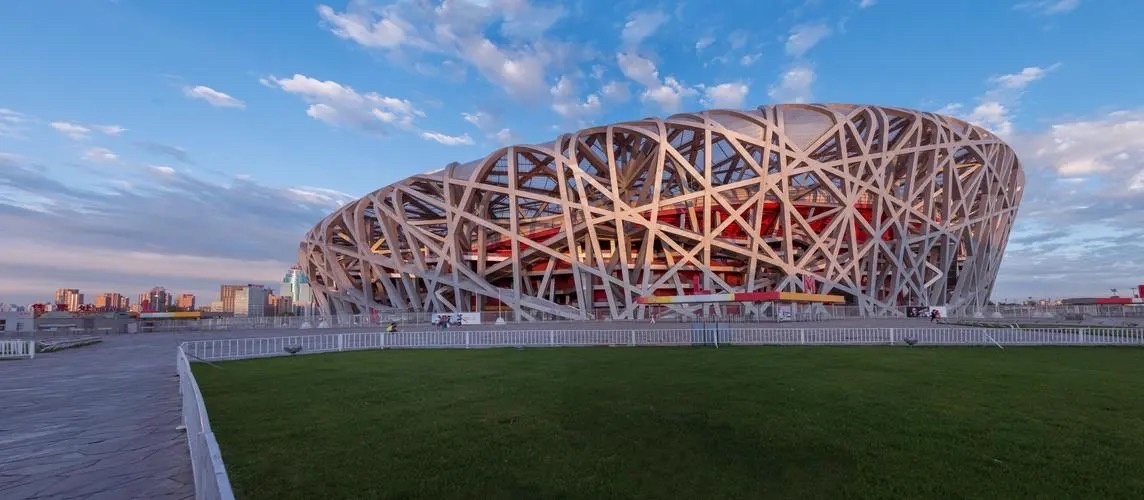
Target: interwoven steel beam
x,y
887,206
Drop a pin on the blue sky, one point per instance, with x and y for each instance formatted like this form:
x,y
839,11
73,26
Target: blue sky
x,y
187,143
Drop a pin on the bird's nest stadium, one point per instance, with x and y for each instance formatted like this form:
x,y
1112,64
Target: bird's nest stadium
x,y
881,206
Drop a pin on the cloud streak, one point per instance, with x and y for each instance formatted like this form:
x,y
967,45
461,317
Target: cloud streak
x,y
213,97
163,227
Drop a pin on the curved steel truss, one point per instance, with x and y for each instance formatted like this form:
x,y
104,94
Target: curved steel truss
x,y
886,206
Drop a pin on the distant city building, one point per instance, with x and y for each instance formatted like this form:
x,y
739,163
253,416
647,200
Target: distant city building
x,y
69,298
282,305
17,321
251,301
156,300
186,302
216,306
297,286
111,301
226,294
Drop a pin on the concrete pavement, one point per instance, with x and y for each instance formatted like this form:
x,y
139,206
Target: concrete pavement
x,y
94,422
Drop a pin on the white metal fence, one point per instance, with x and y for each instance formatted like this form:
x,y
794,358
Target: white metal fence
x,y
17,349
700,335
211,481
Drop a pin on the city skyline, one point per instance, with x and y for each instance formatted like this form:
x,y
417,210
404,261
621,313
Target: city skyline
x,y
195,147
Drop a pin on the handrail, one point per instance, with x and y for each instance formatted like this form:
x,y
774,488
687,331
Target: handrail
x,y
211,480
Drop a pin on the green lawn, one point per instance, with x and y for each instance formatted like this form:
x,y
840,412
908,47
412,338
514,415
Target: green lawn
x,y
684,423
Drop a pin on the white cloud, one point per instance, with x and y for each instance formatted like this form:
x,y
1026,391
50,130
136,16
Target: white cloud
x,y
994,116
566,101
480,119
162,169
1048,7
994,110
128,232
1021,79
725,95
10,116
704,42
862,4
749,59
638,69
615,91
1113,142
805,37
11,123
341,105
489,125
387,31
518,62
641,25
213,97
521,73
505,137
78,131
100,155
448,140
737,39
795,85
109,129
668,94
10,160
1083,196
73,130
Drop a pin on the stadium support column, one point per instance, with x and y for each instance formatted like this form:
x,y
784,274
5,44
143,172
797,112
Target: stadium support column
x,y
514,229
708,284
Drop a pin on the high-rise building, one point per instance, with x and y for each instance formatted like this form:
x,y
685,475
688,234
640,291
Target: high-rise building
x,y
282,305
110,302
186,302
69,298
155,300
251,301
226,295
297,286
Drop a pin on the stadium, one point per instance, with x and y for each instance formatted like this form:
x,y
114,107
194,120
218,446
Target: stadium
x,y
881,207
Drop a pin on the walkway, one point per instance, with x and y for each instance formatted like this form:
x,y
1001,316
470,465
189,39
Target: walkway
x,y
94,422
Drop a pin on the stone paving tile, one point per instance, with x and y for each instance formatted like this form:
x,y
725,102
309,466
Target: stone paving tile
x,y
94,422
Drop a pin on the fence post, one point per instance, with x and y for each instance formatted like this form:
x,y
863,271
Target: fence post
x,y
633,338
466,339
341,341
31,349
551,337
382,340
891,331
802,336
1080,335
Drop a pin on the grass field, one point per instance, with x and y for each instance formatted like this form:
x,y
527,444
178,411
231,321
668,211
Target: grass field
x,y
684,423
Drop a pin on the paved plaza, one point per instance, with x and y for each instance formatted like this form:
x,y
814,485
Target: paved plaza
x,y
94,422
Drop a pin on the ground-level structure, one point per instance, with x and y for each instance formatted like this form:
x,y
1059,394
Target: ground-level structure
x,y
883,206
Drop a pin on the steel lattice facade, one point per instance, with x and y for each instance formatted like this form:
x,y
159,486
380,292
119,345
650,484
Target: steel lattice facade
x,y
886,206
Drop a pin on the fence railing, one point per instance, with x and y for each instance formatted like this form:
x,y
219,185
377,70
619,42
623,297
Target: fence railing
x,y
211,481
17,349
1056,311
709,334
